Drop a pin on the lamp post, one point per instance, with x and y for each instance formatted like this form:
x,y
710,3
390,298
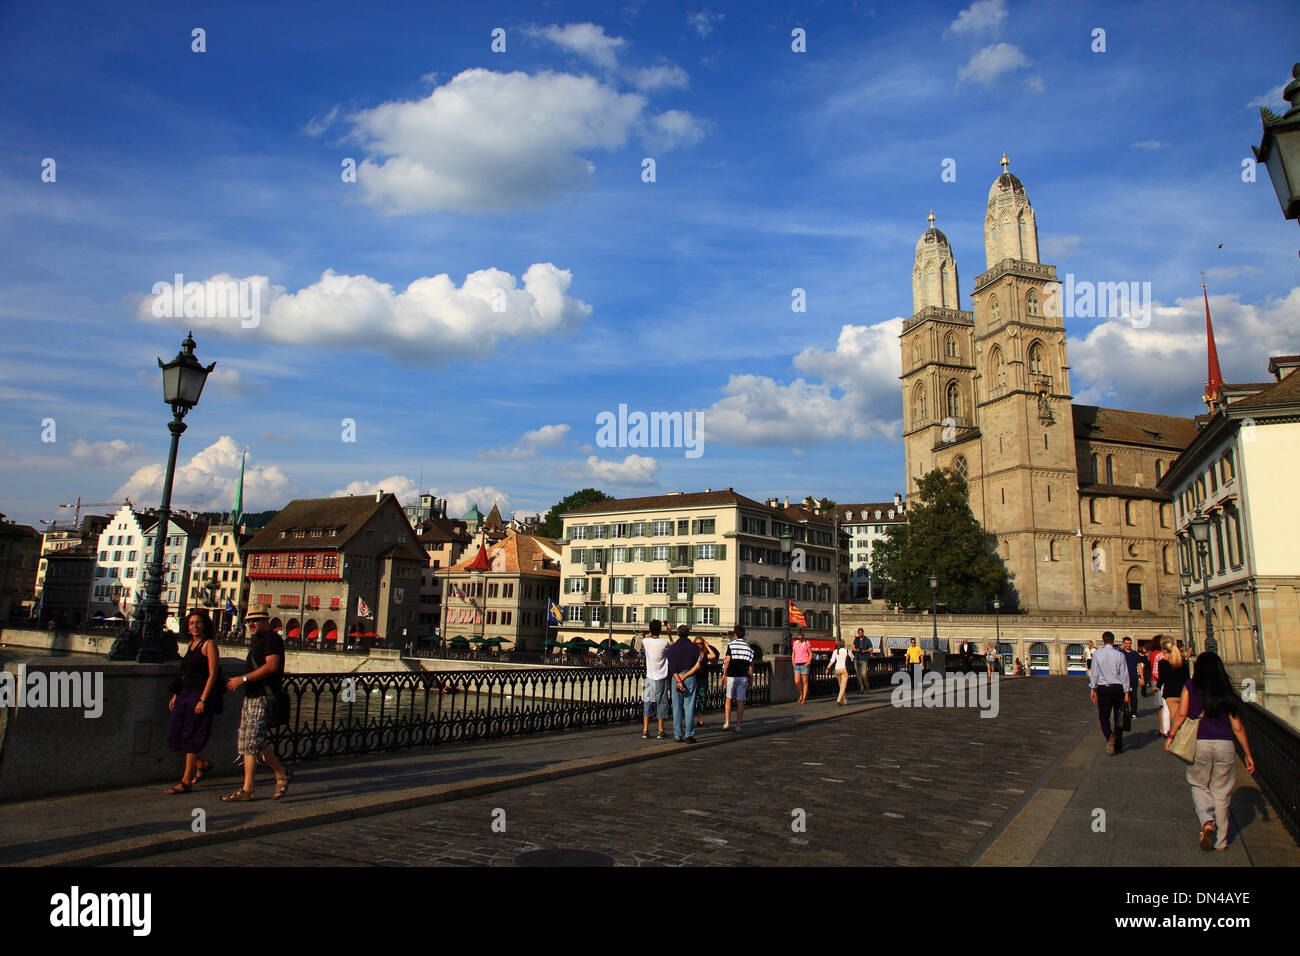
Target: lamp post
x,y
183,380
787,543
1201,535
938,658
1185,576
997,627
1279,150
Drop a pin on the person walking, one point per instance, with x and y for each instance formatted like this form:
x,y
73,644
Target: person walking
x,y
839,663
1173,674
1088,653
1210,696
862,661
1110,688
261,680
738,666
802,659
193,701
683,666
990,656
914,654
655,699
1153,666
708,654
1133,659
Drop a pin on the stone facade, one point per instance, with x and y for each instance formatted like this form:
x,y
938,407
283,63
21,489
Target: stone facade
x,y
986,393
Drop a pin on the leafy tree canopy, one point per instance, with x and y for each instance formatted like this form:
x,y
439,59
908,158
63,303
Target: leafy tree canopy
x,y
940,537
552,526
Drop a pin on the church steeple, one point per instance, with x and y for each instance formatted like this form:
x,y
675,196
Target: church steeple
x,y
934,276
1214,378
1010,231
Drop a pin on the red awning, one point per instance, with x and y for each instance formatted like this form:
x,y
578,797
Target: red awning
x,y
821,647
294,632
313,634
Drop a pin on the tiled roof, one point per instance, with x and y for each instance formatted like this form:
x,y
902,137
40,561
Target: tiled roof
x,y
516,553
884,507
347,514
493,520
438,529
1285,392
695,499
1139,428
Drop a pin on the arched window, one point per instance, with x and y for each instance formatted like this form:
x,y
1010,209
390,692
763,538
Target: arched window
x,y
1092,503
950,345
1096,475
1164,559
916,349
1051,549
1110,469
1031,304
1159,469
999,368
1128,513
1036,359
995,312
960,467
918,403
953,402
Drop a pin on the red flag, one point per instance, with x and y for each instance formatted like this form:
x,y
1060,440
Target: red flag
x,y
796,615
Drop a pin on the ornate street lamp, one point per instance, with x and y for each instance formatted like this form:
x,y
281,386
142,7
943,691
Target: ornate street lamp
x,y
787,544
183,380
1200,526
997,626
1279,150
1185,576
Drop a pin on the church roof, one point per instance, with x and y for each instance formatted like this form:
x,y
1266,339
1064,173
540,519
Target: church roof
x,y
934,239
1134,428
1007,182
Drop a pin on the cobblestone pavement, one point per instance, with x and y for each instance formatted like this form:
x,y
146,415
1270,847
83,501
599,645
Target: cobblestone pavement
x,y
884,787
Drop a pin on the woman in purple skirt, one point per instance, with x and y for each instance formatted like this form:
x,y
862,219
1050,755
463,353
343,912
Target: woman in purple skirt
x,y
191,705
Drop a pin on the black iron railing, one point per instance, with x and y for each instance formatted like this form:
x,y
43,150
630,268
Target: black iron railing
x,y
1275,746
342,714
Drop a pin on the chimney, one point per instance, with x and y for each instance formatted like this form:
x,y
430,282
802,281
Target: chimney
x,y
379,495
787,501
707,490
898,499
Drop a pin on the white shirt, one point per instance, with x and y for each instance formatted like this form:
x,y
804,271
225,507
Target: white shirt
x,y
839,658
656,663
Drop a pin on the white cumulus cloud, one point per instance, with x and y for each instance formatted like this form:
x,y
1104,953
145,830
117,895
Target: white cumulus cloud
x,y
207,481
704,21
980,16
991,62
487,141
666,76
429,323
548,436
632,470
587,40
113,452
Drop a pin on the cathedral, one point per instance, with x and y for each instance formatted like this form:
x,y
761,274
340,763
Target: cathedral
x,y
1068,490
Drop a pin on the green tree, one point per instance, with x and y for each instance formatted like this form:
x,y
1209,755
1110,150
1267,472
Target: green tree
x,y
552,526
941,537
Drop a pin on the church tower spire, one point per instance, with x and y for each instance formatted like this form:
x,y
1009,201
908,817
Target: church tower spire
x,y
934,276
1010,231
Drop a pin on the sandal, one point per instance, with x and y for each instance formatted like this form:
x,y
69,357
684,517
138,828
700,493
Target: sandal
x,y
239,796
1207,835
282,786
204,767
181,787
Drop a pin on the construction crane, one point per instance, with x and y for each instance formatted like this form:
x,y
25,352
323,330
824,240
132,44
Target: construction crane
x,y
76,521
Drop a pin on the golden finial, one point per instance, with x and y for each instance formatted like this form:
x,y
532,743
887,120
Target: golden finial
x,y
1005,161
931,218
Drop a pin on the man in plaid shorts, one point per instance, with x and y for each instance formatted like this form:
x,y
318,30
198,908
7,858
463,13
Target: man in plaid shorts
x,y
261,679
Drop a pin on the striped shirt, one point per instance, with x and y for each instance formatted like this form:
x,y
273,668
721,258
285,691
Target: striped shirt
x,y
742,655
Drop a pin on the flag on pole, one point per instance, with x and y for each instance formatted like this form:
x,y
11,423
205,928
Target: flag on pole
x,y
796,615
363,610
230,606
554,613
237,512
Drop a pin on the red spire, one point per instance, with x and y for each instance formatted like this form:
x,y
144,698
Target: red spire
x,y
1215,380
480,562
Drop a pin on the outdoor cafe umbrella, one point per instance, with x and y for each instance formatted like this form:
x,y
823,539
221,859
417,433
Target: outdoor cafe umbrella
x,y
459,640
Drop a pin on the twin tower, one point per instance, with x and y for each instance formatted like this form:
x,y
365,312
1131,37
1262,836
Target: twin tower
x,y
986,393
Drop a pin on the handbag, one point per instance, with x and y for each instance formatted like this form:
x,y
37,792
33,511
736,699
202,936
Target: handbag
x,y
280,707
1183,746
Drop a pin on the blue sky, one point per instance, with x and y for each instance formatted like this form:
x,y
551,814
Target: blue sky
x,y
522,171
